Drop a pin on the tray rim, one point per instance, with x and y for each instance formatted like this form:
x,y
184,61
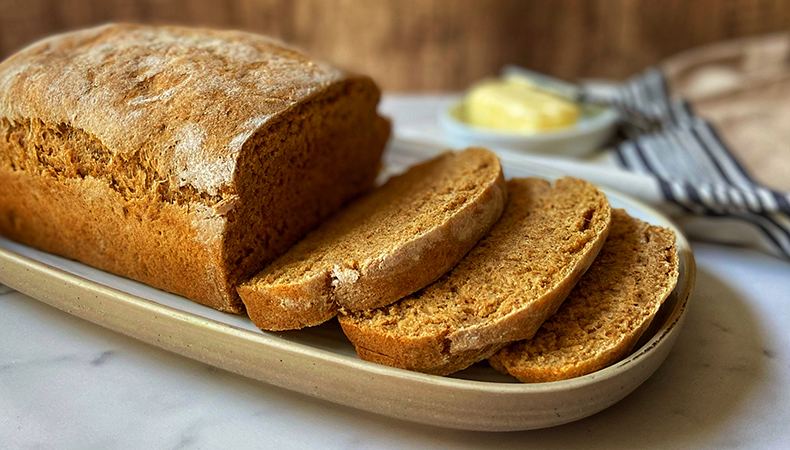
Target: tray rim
x,y
238,350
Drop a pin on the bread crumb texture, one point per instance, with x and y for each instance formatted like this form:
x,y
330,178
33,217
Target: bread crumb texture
x,y
507,285
385,245
183,158
607,311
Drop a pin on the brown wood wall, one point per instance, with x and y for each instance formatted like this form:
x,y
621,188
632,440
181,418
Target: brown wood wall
x,y
436,44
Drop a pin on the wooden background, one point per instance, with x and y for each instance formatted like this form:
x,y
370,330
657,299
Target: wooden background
x,y
436,44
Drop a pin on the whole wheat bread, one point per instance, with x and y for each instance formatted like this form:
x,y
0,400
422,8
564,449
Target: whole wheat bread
x,y
384,246
502,291
183,158
607,311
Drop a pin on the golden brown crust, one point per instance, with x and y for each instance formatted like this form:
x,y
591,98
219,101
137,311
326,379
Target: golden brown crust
x,y
606,313
482,304
388,272
148,152
427,354
50,214
290,306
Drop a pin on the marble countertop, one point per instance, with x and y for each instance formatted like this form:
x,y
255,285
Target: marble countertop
x,y
68,384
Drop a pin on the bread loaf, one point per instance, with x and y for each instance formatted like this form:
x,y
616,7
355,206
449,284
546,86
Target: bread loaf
x,y
502,291
607,311
182,158
384,246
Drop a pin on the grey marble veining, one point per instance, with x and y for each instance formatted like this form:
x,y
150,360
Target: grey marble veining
x,y
4,289
36,363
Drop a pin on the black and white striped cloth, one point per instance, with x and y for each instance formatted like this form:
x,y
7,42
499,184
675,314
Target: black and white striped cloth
x,y
662,138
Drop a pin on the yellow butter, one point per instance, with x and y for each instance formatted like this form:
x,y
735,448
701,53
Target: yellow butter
x,y
515,104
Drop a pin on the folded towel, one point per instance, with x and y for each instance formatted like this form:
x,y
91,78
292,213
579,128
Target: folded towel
x,y
694,168
665,155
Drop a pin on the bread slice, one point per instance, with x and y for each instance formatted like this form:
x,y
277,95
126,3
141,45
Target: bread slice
x,y
502,291
391,243
607,312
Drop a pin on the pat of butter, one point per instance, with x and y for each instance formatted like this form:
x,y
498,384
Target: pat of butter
x,y
515,104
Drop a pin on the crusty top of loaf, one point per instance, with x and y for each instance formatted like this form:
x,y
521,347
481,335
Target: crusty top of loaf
x,y
190,97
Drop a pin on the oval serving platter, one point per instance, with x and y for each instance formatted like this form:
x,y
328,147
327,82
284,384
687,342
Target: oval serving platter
x,y
320,361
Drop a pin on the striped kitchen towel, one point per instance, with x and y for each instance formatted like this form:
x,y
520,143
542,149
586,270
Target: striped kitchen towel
x,y
665,155
662,138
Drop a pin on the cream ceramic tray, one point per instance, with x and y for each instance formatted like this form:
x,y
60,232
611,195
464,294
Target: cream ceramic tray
x,y
320,362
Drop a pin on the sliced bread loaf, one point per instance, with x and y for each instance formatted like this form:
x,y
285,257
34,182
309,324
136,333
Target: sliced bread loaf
x,y
391,243
183,158
607,312
502,291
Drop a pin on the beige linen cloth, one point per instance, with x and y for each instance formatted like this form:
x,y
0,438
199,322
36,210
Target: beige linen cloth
x,y
743,88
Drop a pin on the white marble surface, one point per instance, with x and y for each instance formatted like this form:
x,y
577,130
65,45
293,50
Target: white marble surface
x,y
69,384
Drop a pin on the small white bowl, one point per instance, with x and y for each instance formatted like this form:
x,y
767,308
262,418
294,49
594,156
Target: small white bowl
x,y
595,126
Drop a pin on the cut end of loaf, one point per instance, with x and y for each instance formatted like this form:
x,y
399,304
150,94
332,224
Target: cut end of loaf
x,y
502,290
608,310
301,169
385,245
